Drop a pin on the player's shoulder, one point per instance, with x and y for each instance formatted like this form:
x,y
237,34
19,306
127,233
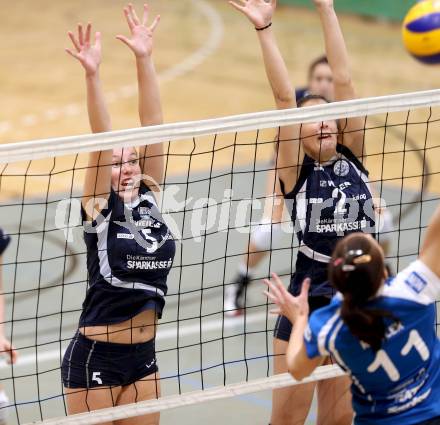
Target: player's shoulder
x,y
301,92
326,316
416,283
345,154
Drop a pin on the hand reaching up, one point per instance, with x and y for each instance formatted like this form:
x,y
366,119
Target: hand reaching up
x,y
141,40
259,12
89,55
286,304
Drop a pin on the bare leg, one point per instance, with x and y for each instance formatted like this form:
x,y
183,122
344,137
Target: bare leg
x,y
291,405
81,400
144,389
334,401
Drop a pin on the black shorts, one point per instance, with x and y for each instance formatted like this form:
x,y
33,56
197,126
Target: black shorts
x,y
283,327
91,364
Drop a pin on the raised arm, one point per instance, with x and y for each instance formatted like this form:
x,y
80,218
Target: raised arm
x,y
296,309
260,14
150,108
98,174
337,56
429,253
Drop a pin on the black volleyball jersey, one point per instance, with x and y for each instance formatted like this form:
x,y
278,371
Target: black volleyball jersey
x,y
329,201
130,251
4,241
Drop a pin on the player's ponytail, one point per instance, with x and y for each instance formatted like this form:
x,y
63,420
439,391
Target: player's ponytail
x,y
357,271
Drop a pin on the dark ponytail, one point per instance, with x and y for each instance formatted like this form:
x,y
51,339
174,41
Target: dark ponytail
x,y
357,271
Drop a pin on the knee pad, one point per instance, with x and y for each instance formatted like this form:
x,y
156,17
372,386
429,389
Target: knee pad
x,y
4,409
385,225
266,235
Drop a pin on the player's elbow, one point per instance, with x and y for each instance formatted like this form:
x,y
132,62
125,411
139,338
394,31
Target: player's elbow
x,y
296,368
342,79
284,99
297,372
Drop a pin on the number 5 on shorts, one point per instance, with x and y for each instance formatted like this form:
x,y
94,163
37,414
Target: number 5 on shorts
x,y
96,378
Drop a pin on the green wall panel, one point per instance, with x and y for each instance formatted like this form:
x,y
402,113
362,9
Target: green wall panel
x,y
389,9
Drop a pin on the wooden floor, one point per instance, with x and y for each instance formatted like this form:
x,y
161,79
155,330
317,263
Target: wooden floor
x,y
43,88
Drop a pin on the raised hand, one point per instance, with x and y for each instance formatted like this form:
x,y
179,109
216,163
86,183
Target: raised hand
x,y
259,12
287,305
141,40
88,55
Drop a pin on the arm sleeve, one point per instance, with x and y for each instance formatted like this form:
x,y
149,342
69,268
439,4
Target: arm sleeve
x,y
417,283
423,282
314,346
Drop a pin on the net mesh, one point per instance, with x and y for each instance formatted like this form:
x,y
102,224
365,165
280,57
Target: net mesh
x,y
212,197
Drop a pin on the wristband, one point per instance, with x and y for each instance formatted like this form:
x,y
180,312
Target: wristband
x,y
264,28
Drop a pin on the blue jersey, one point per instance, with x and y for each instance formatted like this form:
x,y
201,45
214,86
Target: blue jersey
x,y
4,241
130,251
329,201
400,383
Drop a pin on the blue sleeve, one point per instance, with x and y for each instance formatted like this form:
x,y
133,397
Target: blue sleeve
x,y
311,334
4,241
321,323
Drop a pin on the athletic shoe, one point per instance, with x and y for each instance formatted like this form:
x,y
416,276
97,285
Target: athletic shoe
x,y
234,296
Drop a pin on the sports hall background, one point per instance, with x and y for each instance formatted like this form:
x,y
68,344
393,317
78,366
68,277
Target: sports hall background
x,y
209,61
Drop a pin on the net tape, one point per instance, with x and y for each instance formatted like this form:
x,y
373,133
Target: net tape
x,y
195,397
48,148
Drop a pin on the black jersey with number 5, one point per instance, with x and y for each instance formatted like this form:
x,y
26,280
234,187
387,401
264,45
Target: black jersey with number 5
x,y
130,251
329,201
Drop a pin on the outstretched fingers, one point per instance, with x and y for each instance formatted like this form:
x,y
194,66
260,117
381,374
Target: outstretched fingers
x,y
155,23
305,288
88,33
239,6
74,41
98,39
124,39
80,35
129,18
72,53
273,290
145,15
133,14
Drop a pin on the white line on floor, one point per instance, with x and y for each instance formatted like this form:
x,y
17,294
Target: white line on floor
x,y
187,65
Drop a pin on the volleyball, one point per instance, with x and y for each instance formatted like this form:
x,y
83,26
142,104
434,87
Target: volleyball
x,y
421,31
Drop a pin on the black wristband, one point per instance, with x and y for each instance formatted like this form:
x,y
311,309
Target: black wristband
x,y
264,28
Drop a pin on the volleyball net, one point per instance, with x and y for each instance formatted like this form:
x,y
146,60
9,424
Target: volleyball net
x,y
213,197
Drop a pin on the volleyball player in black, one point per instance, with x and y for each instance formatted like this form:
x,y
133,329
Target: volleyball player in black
x,y
326,189
111,360
6,348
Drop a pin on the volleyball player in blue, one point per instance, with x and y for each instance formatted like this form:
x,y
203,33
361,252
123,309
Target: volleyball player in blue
x,y
130,250
326,189
380,330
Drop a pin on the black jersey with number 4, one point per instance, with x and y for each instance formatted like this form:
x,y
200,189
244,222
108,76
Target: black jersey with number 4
x,y
130,251
329,201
